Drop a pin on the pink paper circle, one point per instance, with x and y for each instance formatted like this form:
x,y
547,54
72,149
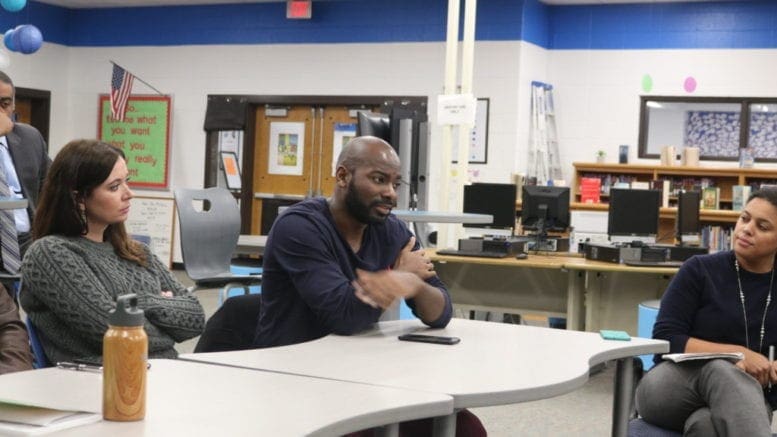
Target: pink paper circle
x,y
690,84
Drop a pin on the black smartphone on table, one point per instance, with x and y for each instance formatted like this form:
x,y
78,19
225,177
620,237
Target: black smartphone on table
x,y
423,338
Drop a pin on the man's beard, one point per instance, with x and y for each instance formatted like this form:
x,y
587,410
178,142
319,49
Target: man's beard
x,y
361,211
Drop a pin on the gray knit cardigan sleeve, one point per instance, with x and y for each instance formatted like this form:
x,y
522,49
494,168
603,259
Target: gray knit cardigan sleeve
x,y
70,284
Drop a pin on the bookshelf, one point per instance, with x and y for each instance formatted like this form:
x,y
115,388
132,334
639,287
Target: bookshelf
x,y
680,177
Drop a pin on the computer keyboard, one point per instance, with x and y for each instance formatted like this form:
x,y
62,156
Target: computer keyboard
x,y
654,263
477,253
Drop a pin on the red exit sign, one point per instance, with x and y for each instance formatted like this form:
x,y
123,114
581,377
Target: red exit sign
x,y
299,9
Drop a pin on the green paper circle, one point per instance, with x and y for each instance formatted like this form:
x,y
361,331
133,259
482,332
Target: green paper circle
x,y
647,83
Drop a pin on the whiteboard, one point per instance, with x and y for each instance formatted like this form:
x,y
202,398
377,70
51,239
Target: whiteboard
x,y
154,217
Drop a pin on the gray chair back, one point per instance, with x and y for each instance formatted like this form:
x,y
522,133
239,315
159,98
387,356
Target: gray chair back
x,y
208,237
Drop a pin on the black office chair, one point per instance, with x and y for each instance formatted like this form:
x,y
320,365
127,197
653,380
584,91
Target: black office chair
x,y
233,326
639,428
209,238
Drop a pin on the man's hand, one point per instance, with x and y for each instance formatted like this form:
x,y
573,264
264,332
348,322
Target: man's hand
x,y
415,262
6,124
380,289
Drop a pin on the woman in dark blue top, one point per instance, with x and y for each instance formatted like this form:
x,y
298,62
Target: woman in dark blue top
x,y
723,302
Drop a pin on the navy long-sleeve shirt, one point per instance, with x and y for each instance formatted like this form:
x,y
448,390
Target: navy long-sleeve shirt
x,y
702,301
308,269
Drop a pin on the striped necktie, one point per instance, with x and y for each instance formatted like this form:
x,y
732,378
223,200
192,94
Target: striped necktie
x,y
9,241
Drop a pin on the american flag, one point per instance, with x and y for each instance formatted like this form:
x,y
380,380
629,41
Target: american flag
x,y
121,88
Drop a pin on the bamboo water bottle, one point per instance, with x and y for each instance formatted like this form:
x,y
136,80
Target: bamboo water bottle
x,y
125,352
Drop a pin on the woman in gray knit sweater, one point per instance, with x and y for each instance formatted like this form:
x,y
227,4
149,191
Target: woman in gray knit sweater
x,y
82,259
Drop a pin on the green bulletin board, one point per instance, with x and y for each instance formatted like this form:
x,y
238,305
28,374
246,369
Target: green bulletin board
x,y
144,136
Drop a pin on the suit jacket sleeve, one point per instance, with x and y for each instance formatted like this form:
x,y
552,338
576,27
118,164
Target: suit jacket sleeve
x,y
30,157
15,352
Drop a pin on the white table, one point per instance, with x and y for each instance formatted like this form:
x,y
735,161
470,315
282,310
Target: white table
x,y
414,218
441,216
251,244
255,244
494,364
195,399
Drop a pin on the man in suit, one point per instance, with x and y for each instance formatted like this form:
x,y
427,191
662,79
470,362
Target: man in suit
x,y
25,161
24,157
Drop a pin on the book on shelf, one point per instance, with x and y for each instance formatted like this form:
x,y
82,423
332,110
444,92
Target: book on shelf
x,y
664,186
710,198
716,238
690,184
739,195
590,190
734,357
640,185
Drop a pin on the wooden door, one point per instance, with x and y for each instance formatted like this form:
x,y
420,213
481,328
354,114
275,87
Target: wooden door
x,y
278,183
23,110
33,107
282,157
337,121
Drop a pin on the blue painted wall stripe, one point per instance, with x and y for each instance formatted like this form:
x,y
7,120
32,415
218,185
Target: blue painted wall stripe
x,y
726,24
53,21
264,23
536,23
743,24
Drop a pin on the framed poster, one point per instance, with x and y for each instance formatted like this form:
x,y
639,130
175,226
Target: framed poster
x,y
343,133
144,136
231,168
154,218
287,148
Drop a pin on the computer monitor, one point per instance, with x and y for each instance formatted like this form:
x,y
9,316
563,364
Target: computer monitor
x,y
498,200
545,208
404,125
688,224
374,124
633,215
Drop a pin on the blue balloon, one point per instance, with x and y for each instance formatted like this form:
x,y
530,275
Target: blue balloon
x,y
8,40
13,5
27,39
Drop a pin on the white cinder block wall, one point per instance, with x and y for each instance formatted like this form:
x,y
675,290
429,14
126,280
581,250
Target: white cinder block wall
x,y
596,91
